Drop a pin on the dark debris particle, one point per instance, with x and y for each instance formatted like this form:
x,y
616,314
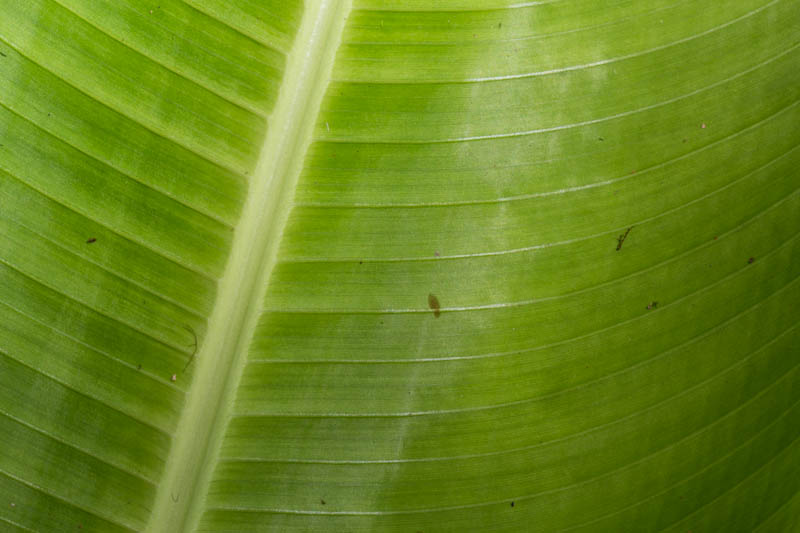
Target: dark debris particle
x,y
512,504
750,261
90,241
433,303
322,501
652,305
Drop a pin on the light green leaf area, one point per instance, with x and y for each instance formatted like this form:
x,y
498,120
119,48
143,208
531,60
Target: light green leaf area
x,y
399,265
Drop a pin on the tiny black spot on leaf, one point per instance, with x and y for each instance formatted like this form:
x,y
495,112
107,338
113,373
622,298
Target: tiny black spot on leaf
x,y
90,241
512,504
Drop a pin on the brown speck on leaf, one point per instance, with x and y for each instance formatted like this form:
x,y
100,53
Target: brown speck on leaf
x,y
433,303
750,261
90,241
436,254
652,305
716,237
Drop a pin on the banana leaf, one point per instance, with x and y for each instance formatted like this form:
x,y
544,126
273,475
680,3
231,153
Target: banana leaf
x,y
399,265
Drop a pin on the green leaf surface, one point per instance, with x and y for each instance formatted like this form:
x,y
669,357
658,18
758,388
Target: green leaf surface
x,y
399,265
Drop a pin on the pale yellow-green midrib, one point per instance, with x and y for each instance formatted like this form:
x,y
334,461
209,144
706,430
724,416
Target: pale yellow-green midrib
x,y
180,498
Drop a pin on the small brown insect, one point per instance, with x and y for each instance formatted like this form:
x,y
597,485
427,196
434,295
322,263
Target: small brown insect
x,y
90,241
652,305
433,303
193,345
750,261
622,238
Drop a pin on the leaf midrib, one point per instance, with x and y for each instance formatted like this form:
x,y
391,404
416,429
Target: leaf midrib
x,y
181,493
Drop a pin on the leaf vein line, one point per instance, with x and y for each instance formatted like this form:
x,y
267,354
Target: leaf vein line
x,y
127,117
551,491
241,105
95,349
153,293
533,301
562,392
66,501
114,319
77,448
591,122
70,387
130,238
582,66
